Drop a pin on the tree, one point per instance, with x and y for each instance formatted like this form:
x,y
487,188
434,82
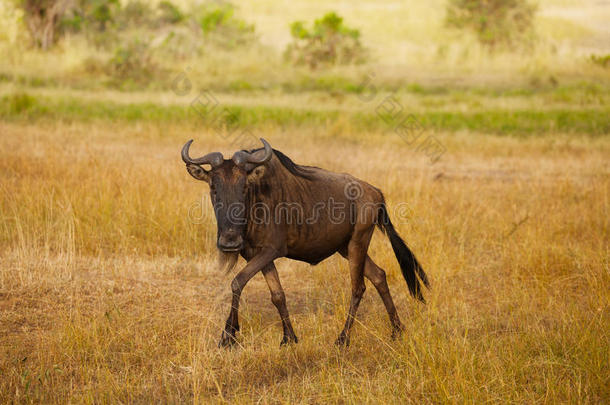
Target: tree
x,y
42,18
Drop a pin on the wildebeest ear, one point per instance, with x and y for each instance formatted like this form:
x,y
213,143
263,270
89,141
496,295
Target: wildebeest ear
x,y
198,172
255,175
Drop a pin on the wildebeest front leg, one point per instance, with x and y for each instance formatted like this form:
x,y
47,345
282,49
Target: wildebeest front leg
x,y
279,300
237,285
356,255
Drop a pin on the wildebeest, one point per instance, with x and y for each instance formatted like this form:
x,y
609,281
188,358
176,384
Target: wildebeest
x,y
268,207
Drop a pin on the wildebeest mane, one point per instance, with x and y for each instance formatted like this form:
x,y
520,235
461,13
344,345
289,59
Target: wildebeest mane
x,y
306,172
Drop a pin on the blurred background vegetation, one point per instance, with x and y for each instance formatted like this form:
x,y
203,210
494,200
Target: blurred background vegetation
x,y
309,45
490,66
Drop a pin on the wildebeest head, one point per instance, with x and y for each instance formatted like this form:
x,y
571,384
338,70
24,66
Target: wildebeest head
x,y
229,180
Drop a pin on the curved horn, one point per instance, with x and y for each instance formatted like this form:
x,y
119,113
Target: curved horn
x,y
215,158
241,157
265,158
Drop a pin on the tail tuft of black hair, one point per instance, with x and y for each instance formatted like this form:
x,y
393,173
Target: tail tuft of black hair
x,y
410,267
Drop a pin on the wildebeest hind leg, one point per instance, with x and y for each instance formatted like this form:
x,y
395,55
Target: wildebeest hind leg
x,y
376,275
279,300
356,255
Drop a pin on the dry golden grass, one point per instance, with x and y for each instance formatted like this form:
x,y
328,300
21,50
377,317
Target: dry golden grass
x,y
108,291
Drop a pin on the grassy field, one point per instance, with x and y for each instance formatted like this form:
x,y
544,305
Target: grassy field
x,y
109,291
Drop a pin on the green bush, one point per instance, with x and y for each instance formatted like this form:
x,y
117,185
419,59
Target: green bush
x,y
17,103
90,15
496,23
220,26
169,13
95,19
601,60
136,13
328,42
132,64
106,23
94,16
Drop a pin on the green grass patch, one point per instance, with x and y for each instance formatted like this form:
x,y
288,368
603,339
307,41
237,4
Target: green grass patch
x,y
93,78
22,106
591,122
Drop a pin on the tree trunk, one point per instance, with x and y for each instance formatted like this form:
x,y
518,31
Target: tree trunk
x,y
43,18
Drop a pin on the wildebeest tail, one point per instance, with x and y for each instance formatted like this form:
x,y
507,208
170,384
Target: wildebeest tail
x,y
410,267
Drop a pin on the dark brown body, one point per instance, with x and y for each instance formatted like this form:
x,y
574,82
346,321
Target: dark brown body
x,y
302,213
311,214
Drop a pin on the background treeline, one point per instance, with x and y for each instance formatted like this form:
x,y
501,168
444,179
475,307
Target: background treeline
x,y
137,44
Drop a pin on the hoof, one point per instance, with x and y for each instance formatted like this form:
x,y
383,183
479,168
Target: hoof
x,y
227,339
289,340
342,340
397,333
